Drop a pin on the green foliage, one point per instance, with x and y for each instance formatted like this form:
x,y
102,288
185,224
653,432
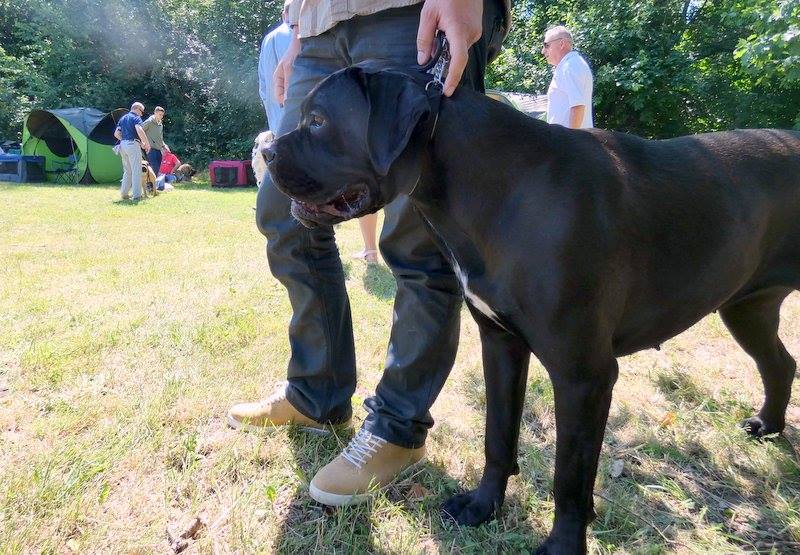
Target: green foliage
x,y
13,86
662,67
198,59
774,47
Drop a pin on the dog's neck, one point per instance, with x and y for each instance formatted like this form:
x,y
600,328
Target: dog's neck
x,y
477,136
456,184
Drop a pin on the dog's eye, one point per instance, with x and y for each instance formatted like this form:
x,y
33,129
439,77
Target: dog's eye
x,y
317,120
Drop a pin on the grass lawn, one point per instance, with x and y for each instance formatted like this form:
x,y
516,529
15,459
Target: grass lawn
x,y
126,331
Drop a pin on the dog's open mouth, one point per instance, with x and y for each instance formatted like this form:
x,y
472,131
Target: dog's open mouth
x,y
344,206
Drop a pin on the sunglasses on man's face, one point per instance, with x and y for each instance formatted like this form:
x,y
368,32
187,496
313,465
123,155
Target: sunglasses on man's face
x,y
546,45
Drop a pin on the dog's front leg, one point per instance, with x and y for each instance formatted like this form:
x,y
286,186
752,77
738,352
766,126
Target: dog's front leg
x,y
582,388
505,370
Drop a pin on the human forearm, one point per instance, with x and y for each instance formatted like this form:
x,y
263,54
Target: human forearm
x,y
280,79
143,137
576,114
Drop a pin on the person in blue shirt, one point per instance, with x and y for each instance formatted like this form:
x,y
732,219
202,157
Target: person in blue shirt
x,y
273,47
129,129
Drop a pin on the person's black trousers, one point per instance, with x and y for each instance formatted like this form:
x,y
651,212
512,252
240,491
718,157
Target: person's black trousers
x,y
425,327
154,158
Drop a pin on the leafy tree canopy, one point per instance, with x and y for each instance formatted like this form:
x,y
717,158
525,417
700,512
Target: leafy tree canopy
x,y
662,67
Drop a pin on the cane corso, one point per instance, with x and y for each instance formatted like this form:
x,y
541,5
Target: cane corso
x,y
579,246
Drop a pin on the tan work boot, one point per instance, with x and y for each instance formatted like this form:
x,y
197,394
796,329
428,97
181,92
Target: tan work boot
x,y
275,410
368,462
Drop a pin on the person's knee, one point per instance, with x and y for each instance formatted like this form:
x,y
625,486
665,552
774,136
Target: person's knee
x,y
272,210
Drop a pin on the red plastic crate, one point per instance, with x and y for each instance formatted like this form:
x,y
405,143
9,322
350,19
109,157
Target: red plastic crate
x,y
231,173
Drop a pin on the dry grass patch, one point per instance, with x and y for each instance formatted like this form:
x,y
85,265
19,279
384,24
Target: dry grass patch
x,y
127,330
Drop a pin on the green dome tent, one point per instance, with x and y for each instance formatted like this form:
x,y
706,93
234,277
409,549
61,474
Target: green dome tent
x,y
85,134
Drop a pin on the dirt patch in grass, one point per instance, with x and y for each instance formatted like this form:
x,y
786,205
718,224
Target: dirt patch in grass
x,y
119,358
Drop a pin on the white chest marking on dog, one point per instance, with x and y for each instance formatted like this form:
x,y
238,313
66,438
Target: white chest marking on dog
x,y
471,297
474,299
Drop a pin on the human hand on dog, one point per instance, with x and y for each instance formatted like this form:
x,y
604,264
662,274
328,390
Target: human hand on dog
x,y
280,78
462,23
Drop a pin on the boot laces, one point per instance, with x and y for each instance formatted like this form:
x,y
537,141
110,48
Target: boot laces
x,y
362,447
279,394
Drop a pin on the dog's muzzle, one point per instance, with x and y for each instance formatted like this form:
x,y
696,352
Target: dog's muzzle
x,y
352,202
268,152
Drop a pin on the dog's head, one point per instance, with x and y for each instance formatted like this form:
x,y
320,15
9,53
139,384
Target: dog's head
x,y
357,145
186,170
257,161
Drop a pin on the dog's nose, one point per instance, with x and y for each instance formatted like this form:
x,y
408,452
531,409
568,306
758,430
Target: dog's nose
x,y
268,152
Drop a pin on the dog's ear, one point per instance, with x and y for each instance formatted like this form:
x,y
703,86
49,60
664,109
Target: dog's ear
x,y
396,106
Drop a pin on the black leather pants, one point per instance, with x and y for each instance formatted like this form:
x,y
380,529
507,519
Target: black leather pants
x,y
425,327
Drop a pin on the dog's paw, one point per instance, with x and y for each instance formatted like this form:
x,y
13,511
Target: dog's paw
x,y
552,547
471,508
758,428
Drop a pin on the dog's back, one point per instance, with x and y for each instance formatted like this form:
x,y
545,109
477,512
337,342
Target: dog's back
x,y
681,226
720,211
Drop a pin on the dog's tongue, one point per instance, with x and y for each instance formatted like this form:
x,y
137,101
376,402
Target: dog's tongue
x,y
317,208
330,209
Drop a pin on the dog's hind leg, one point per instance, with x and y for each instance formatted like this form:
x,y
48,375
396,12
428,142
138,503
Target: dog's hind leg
x,y
505,369
753,321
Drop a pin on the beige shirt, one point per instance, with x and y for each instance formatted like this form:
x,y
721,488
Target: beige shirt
x,y
314,17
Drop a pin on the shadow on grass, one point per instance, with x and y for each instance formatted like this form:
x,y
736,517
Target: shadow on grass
x,y
412,503
128,203
50,185
510,532
307,526
673,487
347,269
379,281
675,494
206,186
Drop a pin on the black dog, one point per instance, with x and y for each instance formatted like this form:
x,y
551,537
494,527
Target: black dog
x,y
578,246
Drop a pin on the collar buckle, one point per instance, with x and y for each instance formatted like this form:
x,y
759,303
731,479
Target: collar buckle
x,y
439,64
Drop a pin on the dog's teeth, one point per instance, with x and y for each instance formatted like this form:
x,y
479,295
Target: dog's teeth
x,y
347,203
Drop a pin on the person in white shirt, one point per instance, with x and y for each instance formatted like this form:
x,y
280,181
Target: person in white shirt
x,y
273,47
569,98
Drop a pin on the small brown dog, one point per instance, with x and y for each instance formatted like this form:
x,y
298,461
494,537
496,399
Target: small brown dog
x,y
148,180
184,172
